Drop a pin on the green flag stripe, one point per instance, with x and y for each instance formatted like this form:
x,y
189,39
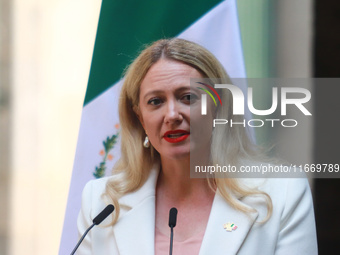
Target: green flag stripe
x,y
125,26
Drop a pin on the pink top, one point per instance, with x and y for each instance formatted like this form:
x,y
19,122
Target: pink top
x,y
191,246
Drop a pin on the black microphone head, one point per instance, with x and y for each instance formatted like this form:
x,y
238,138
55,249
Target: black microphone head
x,y
102,216
172,217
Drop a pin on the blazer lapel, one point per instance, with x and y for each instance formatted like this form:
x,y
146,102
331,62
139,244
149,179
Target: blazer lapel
x,y
135,230
217,240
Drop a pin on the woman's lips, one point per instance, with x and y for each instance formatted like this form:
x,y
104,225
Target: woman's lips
x,y
176,136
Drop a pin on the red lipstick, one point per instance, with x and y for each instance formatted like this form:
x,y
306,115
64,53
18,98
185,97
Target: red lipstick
x,y
176,136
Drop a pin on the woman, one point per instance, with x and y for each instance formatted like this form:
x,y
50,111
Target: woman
x,y
215,216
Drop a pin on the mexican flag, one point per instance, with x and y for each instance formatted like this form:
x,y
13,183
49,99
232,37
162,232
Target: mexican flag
x,y
124,28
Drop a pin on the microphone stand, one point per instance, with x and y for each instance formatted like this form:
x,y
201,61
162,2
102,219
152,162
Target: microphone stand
x,y
96,221
171,239
82,238
172,224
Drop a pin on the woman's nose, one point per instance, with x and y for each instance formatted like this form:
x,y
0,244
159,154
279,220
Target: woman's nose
x,y
172,113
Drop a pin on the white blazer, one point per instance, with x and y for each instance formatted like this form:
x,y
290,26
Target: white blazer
x,y
289,231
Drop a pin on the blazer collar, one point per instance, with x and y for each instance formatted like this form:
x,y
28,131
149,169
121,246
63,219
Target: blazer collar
x,y
135,230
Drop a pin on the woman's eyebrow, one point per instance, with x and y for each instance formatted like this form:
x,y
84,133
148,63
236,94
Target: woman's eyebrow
x,y
160,91
151,92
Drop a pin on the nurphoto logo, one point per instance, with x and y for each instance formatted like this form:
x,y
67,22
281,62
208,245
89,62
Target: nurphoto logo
x,y
288,96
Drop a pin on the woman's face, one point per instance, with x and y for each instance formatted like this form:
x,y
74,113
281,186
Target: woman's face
x,y
165,101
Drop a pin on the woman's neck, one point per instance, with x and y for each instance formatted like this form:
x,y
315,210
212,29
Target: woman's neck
x,y
174,179
192,197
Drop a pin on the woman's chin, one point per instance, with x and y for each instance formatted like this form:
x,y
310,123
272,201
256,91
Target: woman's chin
x,y
179,154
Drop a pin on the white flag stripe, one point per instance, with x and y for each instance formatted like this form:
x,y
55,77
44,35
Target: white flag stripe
x,y
218,31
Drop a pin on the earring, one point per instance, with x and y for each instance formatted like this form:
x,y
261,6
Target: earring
x,y
146,142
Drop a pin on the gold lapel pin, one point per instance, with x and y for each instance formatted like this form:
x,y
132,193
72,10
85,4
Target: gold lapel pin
x,y
230,226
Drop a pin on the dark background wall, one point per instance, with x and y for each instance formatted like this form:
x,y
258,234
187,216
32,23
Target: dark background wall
x,y
327,122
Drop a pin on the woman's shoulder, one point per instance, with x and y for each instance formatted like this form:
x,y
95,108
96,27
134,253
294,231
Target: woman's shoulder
x,y
289,196
94,189
96,184
279,188
273,177
274,184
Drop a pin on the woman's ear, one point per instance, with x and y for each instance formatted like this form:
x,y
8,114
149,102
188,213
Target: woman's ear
x,y
138,114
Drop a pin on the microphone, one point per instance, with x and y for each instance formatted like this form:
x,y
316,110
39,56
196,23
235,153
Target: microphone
x,y
172,224
103,214
96,221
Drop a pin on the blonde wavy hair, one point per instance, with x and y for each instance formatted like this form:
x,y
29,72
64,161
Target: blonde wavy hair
x,y
229,145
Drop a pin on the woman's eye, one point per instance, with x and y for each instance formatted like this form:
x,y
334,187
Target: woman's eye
x,y
155,101
191,98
